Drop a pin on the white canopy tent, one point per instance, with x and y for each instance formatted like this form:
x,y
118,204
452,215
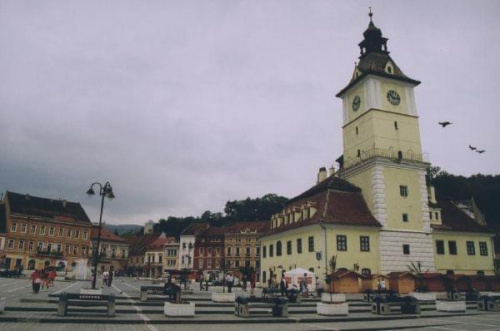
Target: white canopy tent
x,y
293,277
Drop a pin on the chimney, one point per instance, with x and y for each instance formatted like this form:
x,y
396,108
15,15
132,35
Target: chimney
x,y
432,194
321,175
332,171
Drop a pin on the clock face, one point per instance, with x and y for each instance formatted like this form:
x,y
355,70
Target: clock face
x,y
393,97
356,103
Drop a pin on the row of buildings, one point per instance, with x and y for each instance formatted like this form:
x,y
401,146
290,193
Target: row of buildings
x,y
37,233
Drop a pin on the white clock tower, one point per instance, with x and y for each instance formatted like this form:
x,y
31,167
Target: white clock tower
x,y
383,154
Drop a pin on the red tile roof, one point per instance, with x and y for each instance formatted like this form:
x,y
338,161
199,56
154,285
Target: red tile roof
x,y
257,226
195,228
455,219
336,201
106,235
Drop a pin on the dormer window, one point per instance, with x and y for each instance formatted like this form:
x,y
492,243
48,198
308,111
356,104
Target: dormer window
x,y
389,69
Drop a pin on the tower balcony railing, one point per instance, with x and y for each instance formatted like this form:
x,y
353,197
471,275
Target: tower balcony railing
x,y
392,154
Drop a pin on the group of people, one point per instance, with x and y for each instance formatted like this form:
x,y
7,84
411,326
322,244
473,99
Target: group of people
x,y
42,279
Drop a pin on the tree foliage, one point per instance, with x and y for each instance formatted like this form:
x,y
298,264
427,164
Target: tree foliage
x,y
258,209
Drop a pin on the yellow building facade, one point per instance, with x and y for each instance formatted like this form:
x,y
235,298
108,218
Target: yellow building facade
x,y
379,196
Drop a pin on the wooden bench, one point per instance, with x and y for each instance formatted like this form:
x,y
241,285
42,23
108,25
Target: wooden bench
x,y
85,300
382,305
489,303
278,305
172,290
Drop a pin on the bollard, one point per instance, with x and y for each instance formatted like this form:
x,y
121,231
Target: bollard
x,y
2,304
111,305
62,307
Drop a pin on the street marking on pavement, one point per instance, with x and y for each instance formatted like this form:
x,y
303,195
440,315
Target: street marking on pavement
x,y
469,323
18,288
57,292
7,284
319,326
137,309
132,286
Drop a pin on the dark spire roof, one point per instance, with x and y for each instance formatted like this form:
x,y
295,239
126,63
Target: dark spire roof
x,y
374,59
373,42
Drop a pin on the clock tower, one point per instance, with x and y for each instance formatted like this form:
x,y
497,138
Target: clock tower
x,y
383,153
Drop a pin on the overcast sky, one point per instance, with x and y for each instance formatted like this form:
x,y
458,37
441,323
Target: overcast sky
x,y
183,105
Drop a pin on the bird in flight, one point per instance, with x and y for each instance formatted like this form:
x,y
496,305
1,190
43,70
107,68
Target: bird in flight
x,y
480,151
472,148
444,124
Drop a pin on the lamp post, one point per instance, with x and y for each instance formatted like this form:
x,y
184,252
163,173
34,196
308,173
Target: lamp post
x,y
104,191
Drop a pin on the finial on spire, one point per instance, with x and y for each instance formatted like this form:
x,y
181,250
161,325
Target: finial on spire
x,y
370,14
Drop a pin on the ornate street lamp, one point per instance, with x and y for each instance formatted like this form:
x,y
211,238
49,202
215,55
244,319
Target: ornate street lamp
x,y
104,191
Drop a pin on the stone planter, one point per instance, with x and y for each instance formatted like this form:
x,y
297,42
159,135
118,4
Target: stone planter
x,y
90,291
423,296
2,304
332,309
223,297
179,309
451,306
332,297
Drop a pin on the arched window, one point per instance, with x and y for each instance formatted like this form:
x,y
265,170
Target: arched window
x,y
31,264
278,248
366,272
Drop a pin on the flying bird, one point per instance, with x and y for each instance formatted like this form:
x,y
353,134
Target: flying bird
x,y
480,151
444,124
472,148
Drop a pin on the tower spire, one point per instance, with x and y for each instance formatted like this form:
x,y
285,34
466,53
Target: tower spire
x,y
370,14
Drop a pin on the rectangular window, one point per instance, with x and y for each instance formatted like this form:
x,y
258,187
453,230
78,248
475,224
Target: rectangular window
x,y
85,234
364,242
68,233
31,245
77,234
483,248
10,244
61,232
42,230
13,227
341,243
24,227
403,190
311,244
66,249
289,247
271,250
437,215
75,250
406,249
452,247
299,246
439,247
33,229
471,249
430,215
51,231
264,251
40,246
21,244
248,251
405,218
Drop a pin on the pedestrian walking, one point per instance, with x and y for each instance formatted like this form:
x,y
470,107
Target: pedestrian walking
x,y
229,282
253,279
